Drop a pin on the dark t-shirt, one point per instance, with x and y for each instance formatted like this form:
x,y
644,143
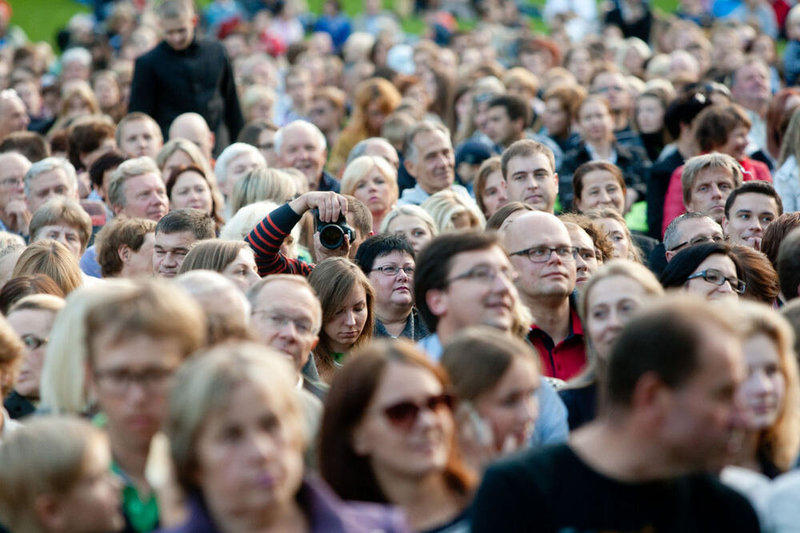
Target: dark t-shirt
x,y
552,490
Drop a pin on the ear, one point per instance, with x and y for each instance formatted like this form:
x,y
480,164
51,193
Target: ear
x,y
117,209
195,20
437,301
555,177
410,167
669,254
49,512
651,398
124,253
725,226
314,344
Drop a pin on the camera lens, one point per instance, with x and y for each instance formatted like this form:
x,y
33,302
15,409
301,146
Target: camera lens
x,y
331,236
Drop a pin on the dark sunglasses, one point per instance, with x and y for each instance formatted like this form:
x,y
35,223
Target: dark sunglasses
x,y
404,414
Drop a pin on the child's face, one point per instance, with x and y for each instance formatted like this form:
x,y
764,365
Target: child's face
x,y
93,503
178,32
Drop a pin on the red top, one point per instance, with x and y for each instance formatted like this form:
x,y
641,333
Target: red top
x,y
566,359
673,200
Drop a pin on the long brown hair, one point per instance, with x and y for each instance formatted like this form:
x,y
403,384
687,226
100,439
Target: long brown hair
x,y
348,473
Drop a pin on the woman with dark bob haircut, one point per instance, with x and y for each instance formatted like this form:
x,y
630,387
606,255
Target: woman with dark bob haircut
x,y
710,270
388,436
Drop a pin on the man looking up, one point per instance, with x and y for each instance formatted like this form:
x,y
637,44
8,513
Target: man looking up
x,y
647,463
541,251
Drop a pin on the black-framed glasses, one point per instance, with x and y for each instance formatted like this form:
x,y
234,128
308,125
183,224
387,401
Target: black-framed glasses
x,y
32,341
485,274
403,415
716,277
541,254
700,239
393,270
120,381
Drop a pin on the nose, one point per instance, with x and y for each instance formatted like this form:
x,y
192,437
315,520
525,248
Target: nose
x,y
350,318
529,410
613,321
715,192
725,287
289,330
261,446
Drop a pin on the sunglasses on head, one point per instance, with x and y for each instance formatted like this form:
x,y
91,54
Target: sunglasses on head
x,y
404,414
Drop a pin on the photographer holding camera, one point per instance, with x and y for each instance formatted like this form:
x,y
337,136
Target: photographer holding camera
x,y
341,224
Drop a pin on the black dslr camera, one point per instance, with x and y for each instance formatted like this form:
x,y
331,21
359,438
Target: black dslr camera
x,y
331,234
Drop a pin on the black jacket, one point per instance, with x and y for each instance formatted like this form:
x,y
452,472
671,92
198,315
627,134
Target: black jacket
x,y
199,79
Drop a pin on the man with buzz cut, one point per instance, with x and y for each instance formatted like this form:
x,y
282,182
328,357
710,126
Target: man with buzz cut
x,y
185,74
529,169
669,421
748,211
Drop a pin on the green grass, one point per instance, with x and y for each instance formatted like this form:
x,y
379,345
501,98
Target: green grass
x,y
41,19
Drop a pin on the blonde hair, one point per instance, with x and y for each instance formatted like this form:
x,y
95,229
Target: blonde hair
x,y
47,455
360,167
11,350
445,205
262,184
246,218
781,441
189,148
52,259
62,388
410,211
204,386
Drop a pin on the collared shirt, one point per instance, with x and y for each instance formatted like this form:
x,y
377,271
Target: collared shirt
x,y
140,511
565,359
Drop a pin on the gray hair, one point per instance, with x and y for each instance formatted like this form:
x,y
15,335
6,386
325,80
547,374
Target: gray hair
x,y
127,170
203,285
77,53
361,147
426,126
308,126
671,235
229,154
47,165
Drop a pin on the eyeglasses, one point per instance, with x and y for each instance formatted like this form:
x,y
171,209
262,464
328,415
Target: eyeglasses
x,y
716,277
392,270
32,341
278,321
120,381
485,274
700,239
403,415
541,254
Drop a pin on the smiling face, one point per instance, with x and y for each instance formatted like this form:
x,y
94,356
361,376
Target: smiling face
x,y
511,406
347,324
750,214
434,165
763,392
301,149
711,291
396,453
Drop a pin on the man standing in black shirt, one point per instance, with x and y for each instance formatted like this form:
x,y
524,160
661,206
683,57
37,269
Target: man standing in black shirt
x,y
668,417
185,74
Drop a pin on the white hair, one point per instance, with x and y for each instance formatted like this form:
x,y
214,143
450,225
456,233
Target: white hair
x,y
229,154
309,127
246,218
48,164
78,54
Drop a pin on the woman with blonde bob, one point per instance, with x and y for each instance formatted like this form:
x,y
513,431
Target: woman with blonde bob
x,y
232,259
451,212
55,476
262,184
52,259
373,181
413,222
256,478
608,300
348,316
63,385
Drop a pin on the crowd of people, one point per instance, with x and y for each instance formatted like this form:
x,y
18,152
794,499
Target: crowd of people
x,y
262,270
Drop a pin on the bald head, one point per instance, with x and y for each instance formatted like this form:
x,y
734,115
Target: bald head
x,y
193,127
541,251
